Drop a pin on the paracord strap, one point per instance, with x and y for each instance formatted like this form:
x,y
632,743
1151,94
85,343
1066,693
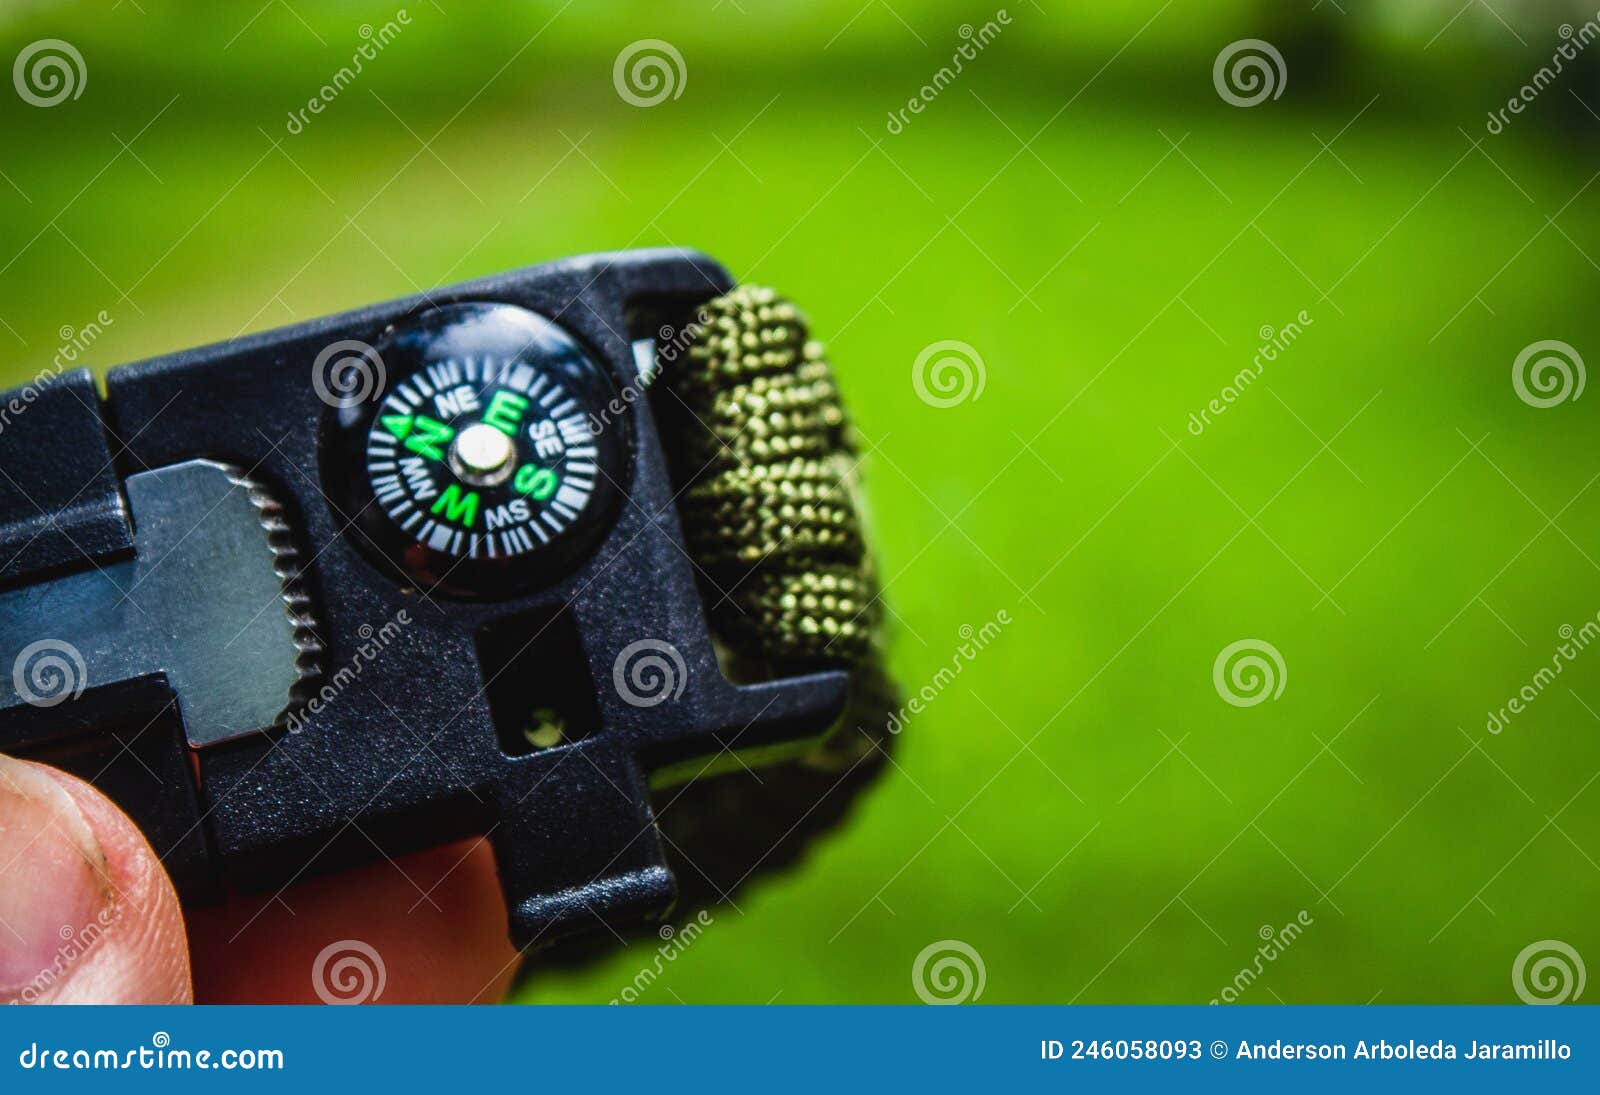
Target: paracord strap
x,y
770,507
768,499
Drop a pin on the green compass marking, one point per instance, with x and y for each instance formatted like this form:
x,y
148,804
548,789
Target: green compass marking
x,y
457,507
505,411
428,437
422,435
536,482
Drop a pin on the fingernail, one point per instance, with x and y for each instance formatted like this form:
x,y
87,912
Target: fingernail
x,y
52,879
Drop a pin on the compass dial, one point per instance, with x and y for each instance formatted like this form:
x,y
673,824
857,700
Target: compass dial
x,y
492,457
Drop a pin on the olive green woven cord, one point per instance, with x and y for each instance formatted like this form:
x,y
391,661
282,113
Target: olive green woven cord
x,y
770,512
762,457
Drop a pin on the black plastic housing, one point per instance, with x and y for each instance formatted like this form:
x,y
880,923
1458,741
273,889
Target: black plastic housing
x,y
406,754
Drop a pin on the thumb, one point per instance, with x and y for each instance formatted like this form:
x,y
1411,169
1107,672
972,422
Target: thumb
x,y
87,914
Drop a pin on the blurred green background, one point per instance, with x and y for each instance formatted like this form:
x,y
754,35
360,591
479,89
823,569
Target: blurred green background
x,y
1081,207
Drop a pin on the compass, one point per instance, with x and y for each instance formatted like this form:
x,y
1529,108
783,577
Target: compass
x,y
489,456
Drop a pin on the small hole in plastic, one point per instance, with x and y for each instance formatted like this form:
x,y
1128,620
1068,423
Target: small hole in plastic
x,y
539,690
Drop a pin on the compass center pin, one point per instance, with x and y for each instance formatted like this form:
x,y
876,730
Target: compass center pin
x,y
482,455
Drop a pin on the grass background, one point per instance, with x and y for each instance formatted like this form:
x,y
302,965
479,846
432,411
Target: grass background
x,y
1079,806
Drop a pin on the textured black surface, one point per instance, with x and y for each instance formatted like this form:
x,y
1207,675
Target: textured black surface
x,y
404,754
60,507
